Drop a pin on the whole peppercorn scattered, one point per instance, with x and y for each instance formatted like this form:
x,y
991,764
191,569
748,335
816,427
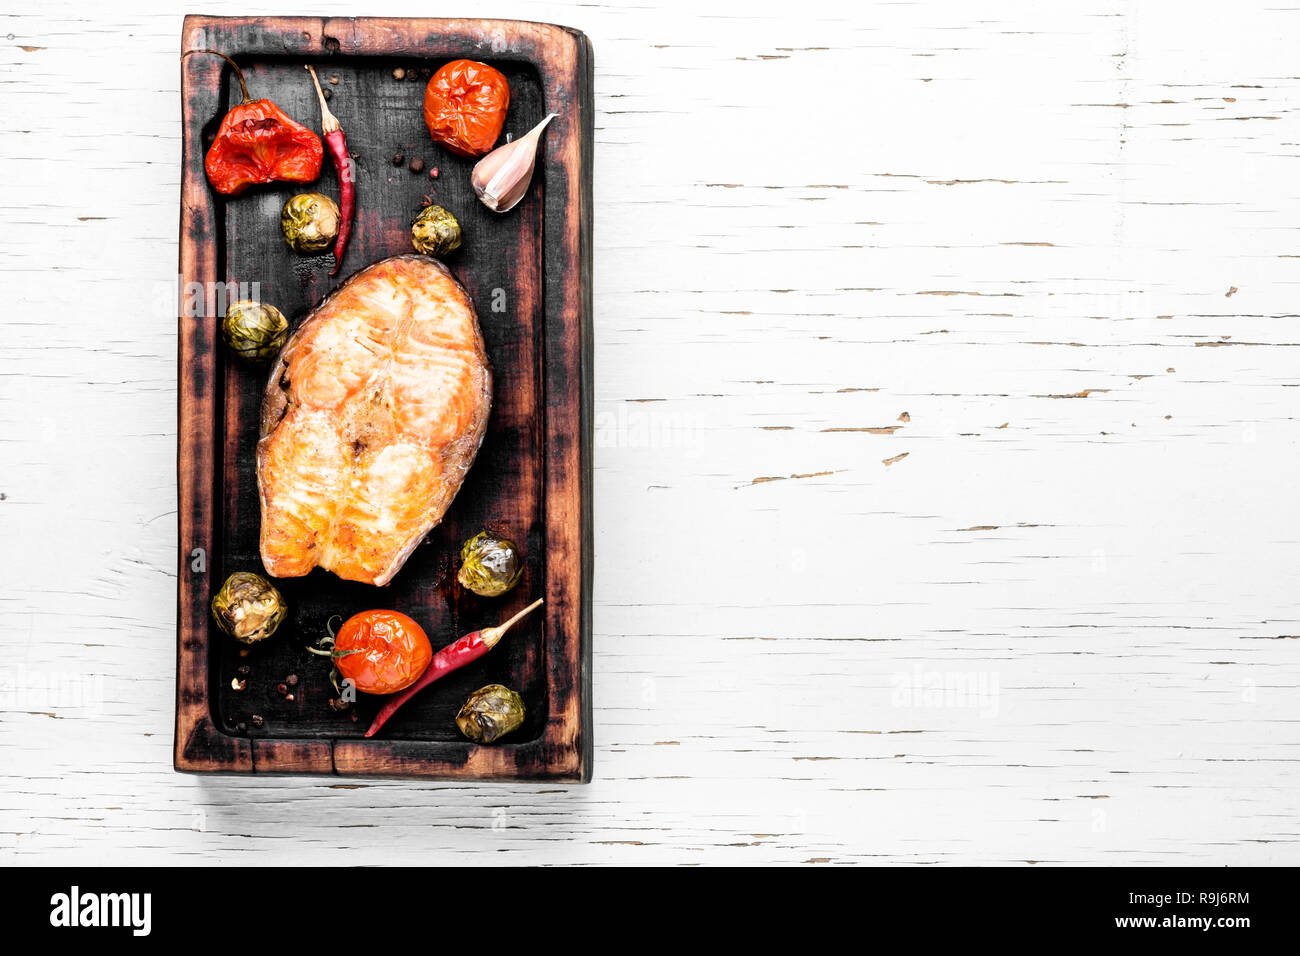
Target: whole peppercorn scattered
x,y
433,173
241,727
354,716
338,704
417,165
398,159
258,720
328,94
292,680
399,73
243,670
334,80
281,688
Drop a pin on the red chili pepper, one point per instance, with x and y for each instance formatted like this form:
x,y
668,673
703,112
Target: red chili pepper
x,y
338,146
469,648
258,143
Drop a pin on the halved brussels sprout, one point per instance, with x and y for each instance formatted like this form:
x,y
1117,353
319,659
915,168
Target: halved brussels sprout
x,y
490,564
248,607
310,222
255,331
491,712
435,232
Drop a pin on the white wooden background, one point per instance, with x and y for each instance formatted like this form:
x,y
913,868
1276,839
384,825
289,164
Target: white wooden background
x,y
946,473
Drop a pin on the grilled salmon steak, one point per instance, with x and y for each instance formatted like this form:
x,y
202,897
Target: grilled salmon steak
x,y
371,419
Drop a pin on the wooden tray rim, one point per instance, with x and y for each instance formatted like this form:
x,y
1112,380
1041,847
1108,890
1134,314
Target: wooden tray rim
x,y
563,59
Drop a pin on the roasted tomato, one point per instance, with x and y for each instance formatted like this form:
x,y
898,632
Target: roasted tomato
x,y
381,652
465,106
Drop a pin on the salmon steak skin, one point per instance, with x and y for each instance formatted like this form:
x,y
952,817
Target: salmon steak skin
x,y
371,419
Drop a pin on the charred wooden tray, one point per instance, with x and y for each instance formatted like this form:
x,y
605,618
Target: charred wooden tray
x,y
529,273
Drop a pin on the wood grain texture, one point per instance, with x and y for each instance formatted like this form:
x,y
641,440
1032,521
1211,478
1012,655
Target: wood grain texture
x,y
529,273
1020,201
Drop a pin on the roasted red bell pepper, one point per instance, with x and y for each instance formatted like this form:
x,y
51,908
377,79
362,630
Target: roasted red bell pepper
x,y
258,143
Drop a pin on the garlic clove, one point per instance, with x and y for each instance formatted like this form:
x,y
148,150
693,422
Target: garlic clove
x,y
501,178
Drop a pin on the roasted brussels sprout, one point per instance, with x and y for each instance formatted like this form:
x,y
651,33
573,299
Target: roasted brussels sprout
x,y
489,564
255,331
248,607
491,712
310,222
435,232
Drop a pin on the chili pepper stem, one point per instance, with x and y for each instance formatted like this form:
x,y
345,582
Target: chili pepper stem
x,y
239,74
492,635
328,121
